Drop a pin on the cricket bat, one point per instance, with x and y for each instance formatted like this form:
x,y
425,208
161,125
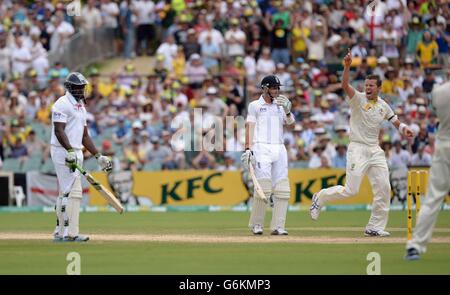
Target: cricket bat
x,y
259,193
109,196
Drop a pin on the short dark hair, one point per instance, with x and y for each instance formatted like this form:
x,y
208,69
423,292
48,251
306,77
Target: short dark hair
x,y
374,77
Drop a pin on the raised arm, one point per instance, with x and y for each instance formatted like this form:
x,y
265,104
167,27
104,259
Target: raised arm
x,y
349,90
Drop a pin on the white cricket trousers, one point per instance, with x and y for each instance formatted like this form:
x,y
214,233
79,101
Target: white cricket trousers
x,y
438,188
271,161
65,177
271,170
361,160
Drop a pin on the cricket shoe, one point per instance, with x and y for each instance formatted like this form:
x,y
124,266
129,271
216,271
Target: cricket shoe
x,y
412,254
314,210
76,239
376,233
279,232
257,229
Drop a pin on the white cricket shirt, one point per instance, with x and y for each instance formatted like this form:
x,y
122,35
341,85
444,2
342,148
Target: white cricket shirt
x,y
366,118
269,119
67,110
441,102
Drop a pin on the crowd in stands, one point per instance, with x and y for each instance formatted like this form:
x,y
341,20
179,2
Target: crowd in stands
x,y
211,55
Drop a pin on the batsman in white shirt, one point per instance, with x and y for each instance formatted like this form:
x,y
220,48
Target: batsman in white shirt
x,y
364,155
69,135
264,149
439,185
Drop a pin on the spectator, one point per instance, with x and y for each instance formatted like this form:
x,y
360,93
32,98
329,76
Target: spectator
x,y
391,42
250,65
169,50
191,45
110,13
443,39
399,158
35,146
318,159
204,160
215,105
39,60
211,54
382,66
5,59
316,41
196,71
160,154
280,35
60,31
235,39
340,159
420,158
228,163
127,24
90,17
134,155
265,65
429,81
427,50
145,32
120,134
20,57
19,150
216,37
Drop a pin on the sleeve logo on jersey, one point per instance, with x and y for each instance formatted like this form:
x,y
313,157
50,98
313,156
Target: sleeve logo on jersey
x,y
57,115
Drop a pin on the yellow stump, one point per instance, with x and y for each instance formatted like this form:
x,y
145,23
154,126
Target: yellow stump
x,y
418,193
417,186
409,204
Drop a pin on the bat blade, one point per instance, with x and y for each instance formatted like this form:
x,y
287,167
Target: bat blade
x,y
109,196
258,189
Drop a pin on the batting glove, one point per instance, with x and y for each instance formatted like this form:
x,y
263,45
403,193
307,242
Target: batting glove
x,y
104,162
71,159
284,102
247,158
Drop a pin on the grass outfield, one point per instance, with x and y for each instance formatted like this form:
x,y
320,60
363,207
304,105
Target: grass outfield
x,y
215,243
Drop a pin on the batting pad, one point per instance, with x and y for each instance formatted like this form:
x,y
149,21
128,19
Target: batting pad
x,y
282,189
281,194
74,216
77,191
259,207
73,208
